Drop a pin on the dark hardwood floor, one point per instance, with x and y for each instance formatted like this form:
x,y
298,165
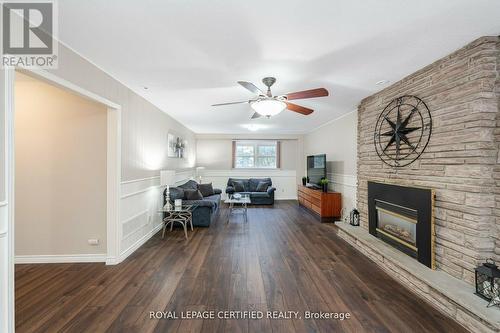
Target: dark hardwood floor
x,y
282,260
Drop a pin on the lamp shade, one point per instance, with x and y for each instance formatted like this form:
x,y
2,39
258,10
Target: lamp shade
x,y
167,177
268,107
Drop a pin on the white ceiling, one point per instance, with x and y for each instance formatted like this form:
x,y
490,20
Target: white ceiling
x,y
190,53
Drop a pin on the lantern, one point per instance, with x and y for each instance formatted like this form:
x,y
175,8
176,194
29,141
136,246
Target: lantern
x,y
488,282
354,217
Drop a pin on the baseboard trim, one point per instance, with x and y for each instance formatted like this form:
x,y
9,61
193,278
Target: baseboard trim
x,y
133,247
60,258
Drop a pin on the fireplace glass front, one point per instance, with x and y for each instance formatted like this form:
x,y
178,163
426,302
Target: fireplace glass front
x,y
398,226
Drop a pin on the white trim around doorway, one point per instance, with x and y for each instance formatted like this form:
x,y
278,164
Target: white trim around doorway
x,y
8,79
113,228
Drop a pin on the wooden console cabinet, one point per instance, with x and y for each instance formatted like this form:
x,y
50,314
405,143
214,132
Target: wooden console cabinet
x,y
327,205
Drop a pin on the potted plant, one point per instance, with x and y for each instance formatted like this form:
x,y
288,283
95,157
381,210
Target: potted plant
x,y
304,180
324,184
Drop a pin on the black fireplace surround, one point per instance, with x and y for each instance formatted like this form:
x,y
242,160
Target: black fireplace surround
x,y
403,217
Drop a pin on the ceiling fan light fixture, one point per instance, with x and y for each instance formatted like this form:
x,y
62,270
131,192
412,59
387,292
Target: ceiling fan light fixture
x,y
254,127
268,107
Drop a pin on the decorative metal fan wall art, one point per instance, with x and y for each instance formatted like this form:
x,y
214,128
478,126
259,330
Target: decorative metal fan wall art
x,y
403,131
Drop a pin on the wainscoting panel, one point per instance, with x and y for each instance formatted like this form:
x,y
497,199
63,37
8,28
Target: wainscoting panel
x,y
285,181
140,201
4,266
3,218
347,185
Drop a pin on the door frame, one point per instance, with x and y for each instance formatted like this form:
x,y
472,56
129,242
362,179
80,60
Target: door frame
x,y
113,229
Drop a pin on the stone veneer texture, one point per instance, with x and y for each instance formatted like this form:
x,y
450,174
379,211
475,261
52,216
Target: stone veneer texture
x,y
496,174
460,163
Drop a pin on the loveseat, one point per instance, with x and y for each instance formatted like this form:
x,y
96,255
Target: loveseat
x,y
259,195
206,209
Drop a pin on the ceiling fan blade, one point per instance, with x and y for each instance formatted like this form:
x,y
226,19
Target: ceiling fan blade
x,y
231,103
250,86
320,92
255,115
298,109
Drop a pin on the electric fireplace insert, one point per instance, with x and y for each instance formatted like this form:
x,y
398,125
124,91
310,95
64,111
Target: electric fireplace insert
x,y
403,217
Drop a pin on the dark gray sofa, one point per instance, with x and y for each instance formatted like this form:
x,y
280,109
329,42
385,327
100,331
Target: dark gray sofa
x,y
206,210
250,187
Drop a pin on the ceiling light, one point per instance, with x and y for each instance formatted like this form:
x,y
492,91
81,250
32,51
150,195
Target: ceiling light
x,y
268,107
254,127
381,82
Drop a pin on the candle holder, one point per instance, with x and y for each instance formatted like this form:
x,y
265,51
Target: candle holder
x,y
167,178
168,204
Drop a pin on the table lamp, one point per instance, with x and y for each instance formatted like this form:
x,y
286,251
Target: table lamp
x,y
199,170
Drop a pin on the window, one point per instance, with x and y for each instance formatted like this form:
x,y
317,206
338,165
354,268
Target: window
x,y
256,154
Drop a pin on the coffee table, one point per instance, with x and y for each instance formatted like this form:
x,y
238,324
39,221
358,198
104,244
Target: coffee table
x,y
181,214
238,203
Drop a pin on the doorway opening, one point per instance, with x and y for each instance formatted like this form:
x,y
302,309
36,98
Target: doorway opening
x,y
60,174
110,250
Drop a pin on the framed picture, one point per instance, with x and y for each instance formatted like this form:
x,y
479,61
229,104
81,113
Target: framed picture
x,y
176,146
171,145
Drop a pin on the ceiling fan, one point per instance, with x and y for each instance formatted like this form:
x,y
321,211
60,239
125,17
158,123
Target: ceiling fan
x,y
267,105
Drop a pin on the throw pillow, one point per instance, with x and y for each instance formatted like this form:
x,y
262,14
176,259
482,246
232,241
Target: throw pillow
x,y
206,189
176,193
193,195
262,187
239,186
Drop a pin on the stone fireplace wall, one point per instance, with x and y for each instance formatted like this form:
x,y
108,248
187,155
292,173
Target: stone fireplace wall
x,y
496,174
461,161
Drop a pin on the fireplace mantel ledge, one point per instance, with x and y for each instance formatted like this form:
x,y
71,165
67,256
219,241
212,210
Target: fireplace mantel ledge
x,y
457,291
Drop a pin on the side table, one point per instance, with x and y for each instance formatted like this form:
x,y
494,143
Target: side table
x,y
180,214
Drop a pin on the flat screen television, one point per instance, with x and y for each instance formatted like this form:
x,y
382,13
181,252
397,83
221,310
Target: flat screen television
x,y
316,168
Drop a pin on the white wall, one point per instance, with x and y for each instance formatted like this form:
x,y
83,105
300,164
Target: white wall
x,y
60,170
338,140
143,149
144,126
214,152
